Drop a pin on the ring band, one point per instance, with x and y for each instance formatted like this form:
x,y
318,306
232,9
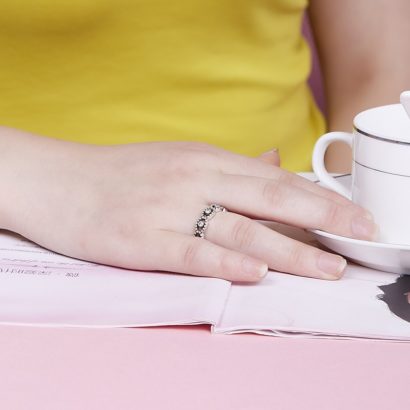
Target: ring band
x,y
207,214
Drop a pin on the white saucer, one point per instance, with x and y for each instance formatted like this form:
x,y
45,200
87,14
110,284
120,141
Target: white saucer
x,y
376,255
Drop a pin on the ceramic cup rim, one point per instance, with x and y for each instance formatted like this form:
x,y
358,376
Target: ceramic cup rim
x,y
358,130
393,114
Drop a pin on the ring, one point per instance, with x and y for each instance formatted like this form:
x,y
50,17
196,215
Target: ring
x,y
207,214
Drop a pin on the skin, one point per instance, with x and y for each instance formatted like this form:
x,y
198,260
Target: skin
x,y
365,60
134,206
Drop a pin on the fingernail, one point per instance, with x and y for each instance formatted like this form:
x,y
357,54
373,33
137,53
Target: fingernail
x,y
363,227
368,216
272,151
253,267
331,265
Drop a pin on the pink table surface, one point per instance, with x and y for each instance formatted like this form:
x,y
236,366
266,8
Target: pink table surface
x,y
188,368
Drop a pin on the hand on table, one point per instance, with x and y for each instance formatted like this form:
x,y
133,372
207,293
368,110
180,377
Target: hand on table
x,y
135,206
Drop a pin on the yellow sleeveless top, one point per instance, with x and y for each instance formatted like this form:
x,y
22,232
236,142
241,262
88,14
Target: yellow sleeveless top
x,y
228,72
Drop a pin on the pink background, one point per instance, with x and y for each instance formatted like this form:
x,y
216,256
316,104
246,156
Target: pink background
x,y
188,368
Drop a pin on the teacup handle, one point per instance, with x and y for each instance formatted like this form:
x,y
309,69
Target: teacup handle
x,y
318,160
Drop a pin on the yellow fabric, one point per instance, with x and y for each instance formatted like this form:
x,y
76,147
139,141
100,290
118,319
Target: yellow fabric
x,y
228,72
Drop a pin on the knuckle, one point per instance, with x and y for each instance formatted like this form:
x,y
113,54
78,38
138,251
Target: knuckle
x,y
182,172
225,265
296,258
189,156
286,178
331,216
189,255
273,193
195,152
243,233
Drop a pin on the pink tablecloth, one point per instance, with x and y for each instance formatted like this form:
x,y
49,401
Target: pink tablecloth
x,y
188,368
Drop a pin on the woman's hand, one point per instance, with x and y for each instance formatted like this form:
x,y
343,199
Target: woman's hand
x,y
135,206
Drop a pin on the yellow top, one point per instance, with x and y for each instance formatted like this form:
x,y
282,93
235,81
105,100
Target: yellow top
x,y
228,72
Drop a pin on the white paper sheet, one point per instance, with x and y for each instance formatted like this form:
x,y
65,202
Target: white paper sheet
x,y
287,305
39,287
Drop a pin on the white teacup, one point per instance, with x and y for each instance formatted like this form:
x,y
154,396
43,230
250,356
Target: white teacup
x,y
381,167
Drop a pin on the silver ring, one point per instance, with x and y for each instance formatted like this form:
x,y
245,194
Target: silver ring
x,y
207,214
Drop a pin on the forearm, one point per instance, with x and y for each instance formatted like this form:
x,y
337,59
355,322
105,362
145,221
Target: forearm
x,y
364,54
348,100
362,88
28,162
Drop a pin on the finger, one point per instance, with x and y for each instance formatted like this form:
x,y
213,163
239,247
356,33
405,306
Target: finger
x,y
180,253
230,163
281,253
241,165
276,201
271,157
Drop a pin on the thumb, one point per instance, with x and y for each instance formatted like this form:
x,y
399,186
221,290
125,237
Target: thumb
x,y
271,157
